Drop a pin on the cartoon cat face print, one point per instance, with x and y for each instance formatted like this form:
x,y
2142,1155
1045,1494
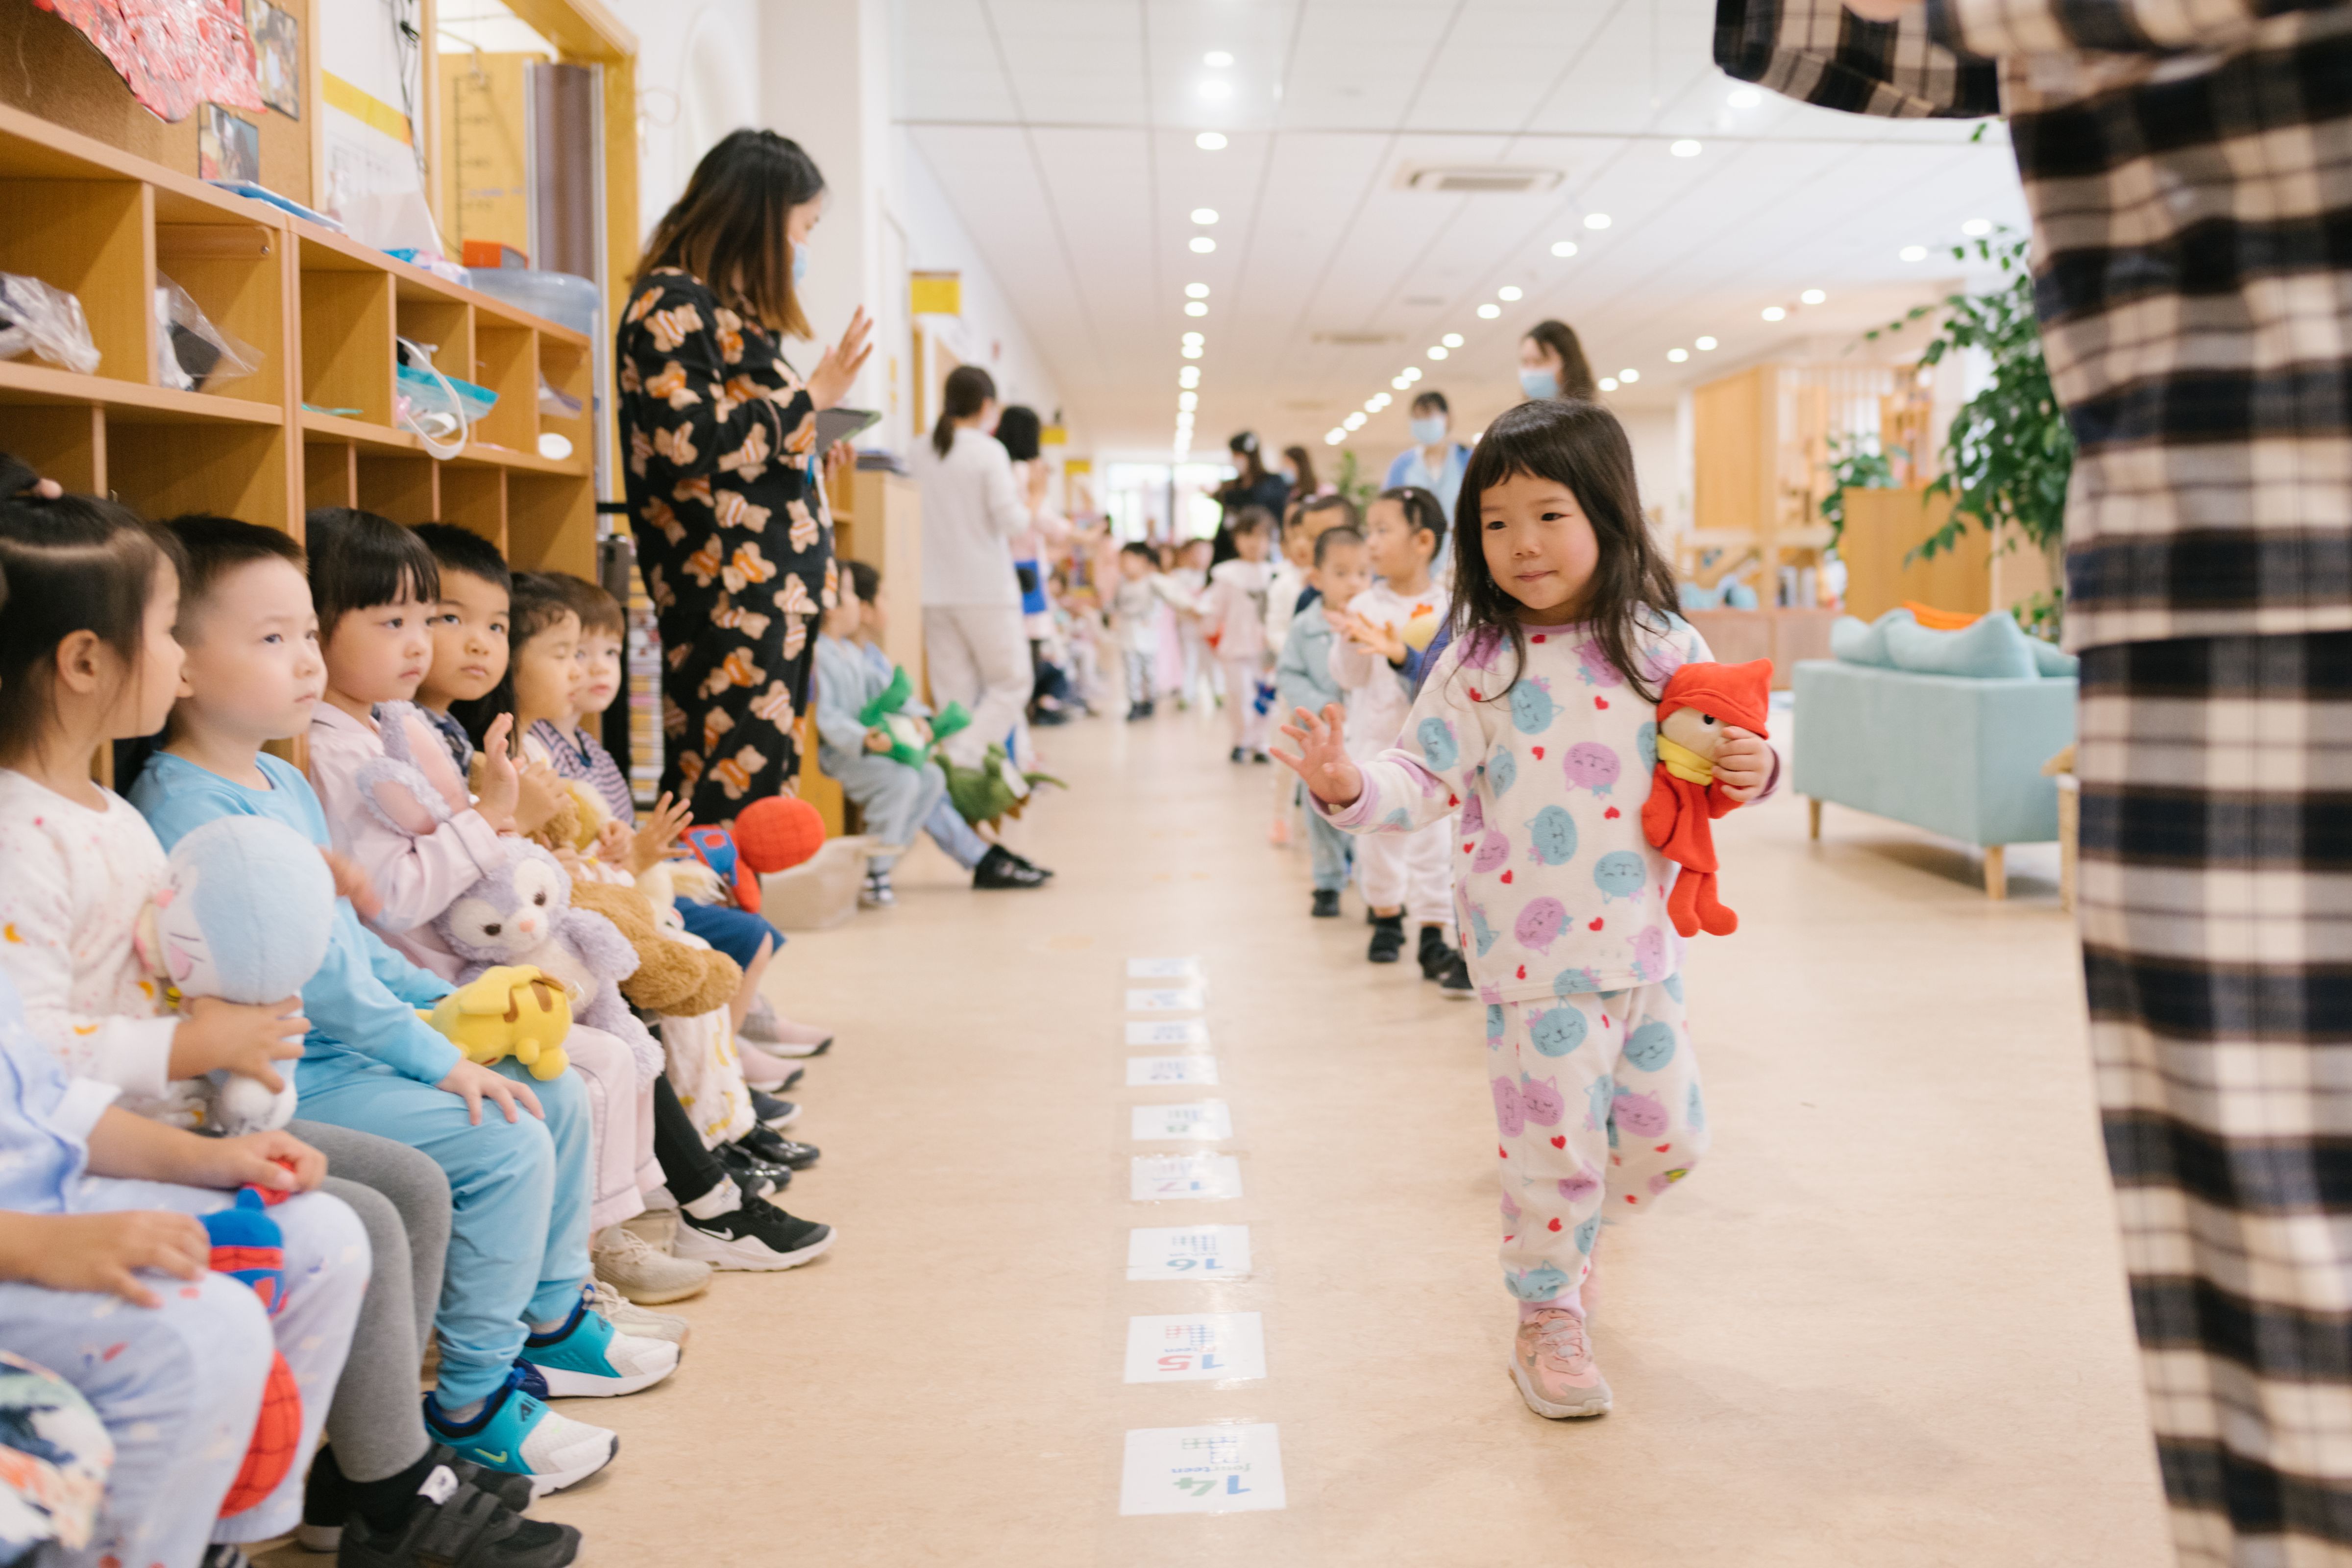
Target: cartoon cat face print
x,y
1619,873
1541,1101
1594,766
1541,1283
1640,1114
1532,707
1551,836
1541,923
1556,1031
1650,1046
1645,742
1493,850
1509,1115
1482,935
1437,743
1593,664
1502,772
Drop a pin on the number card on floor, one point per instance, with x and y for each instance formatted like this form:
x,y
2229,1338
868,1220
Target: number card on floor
x,y
1142,1072
1167,1032
1162,1178
1196,1347
1163,969
1210,1252
1233,1468
1188,999
1207,1119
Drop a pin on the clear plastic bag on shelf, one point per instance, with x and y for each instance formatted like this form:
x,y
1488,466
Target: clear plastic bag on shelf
x,y
557,405
439,407
36,318
191,354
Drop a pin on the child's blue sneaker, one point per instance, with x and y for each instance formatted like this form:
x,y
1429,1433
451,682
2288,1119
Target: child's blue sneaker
x,y
515,1434
587,1357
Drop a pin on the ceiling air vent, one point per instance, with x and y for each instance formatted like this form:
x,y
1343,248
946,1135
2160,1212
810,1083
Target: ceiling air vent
x,y
1504,179
1365,339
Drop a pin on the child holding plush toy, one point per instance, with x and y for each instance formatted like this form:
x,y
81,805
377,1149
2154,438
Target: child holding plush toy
x,y
1539,725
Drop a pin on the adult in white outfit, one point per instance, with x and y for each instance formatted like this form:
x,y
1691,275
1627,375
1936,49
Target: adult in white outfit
x,y
973,510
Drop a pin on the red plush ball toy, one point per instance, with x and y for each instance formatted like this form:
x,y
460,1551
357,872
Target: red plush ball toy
x,y
779,833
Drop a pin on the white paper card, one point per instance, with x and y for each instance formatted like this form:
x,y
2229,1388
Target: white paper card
x,y
1207,1119
1167,1032
1210,1252
1233,1468
1144,1071
1163,969
1190,999
1196,1347
1160,1178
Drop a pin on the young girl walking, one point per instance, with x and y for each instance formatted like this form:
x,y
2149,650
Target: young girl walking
x,y
1539,726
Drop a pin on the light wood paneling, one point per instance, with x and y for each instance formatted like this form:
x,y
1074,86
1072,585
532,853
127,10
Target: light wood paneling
x,y
1882,528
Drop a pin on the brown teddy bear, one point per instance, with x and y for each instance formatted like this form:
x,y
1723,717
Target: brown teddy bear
x,y
671,978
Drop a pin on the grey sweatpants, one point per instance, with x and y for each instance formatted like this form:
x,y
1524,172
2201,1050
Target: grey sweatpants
x,y
376,1423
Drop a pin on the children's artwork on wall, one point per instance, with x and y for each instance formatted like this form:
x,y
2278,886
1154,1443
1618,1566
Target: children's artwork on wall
x,y
172,54
228,146
276,55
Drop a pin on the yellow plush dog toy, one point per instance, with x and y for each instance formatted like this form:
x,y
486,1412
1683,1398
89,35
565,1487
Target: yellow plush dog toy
x,y
511,1010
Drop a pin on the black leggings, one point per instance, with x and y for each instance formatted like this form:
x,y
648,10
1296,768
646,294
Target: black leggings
x,y
688,1169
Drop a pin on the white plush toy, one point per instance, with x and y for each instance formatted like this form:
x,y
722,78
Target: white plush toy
x,y
246,917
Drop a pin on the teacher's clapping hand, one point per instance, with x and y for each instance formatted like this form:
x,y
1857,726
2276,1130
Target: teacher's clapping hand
x,y
837,370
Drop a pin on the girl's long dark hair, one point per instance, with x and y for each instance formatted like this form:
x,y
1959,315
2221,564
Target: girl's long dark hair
x,y
728,226
1305,466
969,390
71,563
1582,446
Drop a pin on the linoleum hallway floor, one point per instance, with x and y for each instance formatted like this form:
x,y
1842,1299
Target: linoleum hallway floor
x,y
1882,1324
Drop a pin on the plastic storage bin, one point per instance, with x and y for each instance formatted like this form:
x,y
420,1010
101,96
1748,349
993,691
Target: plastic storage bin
x,y
820,891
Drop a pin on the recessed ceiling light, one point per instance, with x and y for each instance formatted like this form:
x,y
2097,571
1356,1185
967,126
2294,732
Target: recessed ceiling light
x,y
1196,308
1596,220
1195,338
1188,401
1607,383
1373,405
1977,226
1563,248
1399,382
1333,436
1353,421
1191,351
1703,344
1629,376
1509,291
1203,244
1744,98
1216,89
1489,311
1812,296
1676,356
1411,373
1686,148
1196,291
1913,253
1452,339
1210,140
1188,375
1774,313
1438,350
1204,215
1216,60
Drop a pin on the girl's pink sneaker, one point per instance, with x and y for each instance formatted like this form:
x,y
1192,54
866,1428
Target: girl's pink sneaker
x,y
1551,1361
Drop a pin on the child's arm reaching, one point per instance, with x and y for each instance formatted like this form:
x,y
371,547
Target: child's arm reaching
x,y
1331,776
652,843
1409,785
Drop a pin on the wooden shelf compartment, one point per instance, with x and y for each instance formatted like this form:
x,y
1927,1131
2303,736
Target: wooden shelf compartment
x,y
236,274
29,382
239,471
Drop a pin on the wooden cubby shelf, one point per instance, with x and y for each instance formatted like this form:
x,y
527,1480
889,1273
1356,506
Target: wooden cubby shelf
x,y
323,312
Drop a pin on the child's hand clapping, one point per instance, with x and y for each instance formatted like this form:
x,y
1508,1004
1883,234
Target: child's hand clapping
x,y
1323,761
539,795
614,841
658,836
1381,640
1743,763
238,1038
501,785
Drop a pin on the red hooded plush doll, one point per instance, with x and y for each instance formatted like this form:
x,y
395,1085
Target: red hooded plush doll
x,y
1699,701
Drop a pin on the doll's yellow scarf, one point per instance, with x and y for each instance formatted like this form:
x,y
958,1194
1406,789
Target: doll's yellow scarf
x,y
1684,763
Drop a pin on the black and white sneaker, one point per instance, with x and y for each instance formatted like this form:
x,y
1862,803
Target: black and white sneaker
x,y
330,1499
1326,905
759,1237
1436,954
1388,939
878,893
777,1149
773,1111
1000,869
460,1519
1455,985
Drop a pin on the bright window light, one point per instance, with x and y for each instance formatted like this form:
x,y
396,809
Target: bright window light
x,y
1676,356
1452,339
1975,226
1596,220
1489,311
1913,253
1686,148
1203,244
1191,351
1216,60
1353,421
1210,140
1629,376
1188,401
1438,350
1216,89
1744,98
1607,383
1703,344
1196,309
1775,313
1189,376
1204,215
1510,291
1812,296
1563,248
1196,291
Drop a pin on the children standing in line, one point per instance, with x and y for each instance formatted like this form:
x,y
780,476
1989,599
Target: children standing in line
x,y
1185,585
1135,609
1540,722
1405,877
1232,615
1339,571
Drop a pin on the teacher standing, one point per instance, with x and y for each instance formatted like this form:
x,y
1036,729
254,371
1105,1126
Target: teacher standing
x,y
723,482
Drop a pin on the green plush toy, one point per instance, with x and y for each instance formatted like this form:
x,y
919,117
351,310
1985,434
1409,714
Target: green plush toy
x,y
992,791
888,713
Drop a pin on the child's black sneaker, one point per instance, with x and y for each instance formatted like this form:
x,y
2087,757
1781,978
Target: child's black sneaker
x,y
332,1500
466,1522
757,1236
777,1149
1455,985
1388,939
770,1111
754,1177
1327,904
1436,953
1240,755
1260,757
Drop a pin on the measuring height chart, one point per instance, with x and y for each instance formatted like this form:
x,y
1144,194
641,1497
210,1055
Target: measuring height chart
x,y
1196,1347
1231,1467
1164,1178
1190,998
1204,1119
1210,1252
1145,1072
1167,1031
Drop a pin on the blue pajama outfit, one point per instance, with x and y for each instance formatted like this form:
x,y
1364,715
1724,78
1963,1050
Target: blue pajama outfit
x,y
521,1192
179,1386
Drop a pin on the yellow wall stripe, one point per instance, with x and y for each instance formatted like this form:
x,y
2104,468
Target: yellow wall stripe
x,y
365,107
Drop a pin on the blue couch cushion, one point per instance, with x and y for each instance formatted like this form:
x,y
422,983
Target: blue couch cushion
x,y
1992,648
1855,642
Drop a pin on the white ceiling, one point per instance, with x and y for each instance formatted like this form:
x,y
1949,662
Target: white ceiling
x,y
1064,131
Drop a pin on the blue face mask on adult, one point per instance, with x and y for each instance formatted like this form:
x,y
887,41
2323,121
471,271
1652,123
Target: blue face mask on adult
x,y
800,264
1539,383
1430,431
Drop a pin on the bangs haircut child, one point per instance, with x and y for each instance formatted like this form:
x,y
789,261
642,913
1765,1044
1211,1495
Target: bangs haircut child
x,y
457,549
1423,513
1252,520
1139,547
598,610
1333,502
359,560
211,547
74,564
1581,447
1332,538
535,601
864,580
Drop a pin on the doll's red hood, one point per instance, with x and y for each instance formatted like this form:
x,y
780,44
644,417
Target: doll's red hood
x,y
1738,694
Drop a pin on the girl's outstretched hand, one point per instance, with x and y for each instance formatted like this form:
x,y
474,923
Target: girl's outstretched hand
x,y
1322,761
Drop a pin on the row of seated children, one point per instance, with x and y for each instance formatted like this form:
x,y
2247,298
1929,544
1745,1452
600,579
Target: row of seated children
x,y
473,1189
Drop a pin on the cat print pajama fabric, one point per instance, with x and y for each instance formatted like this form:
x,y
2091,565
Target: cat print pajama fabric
x,y
1597,1110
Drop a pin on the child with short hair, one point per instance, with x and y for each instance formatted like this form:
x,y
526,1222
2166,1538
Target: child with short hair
x,y
470,627
1135,607
517,1281
1184,587
1566,630
1233,617
1339,572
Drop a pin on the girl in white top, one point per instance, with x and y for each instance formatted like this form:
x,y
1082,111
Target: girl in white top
x,y
1537,724
972,511
1232,613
